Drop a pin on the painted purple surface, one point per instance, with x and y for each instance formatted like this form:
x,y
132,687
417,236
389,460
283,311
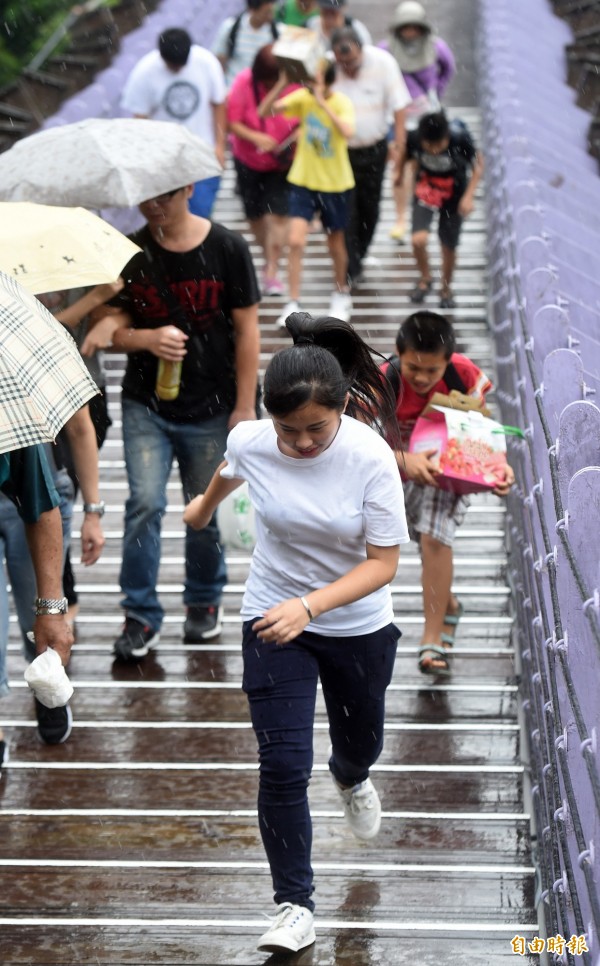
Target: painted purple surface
x,y
563,384
543,203
550,330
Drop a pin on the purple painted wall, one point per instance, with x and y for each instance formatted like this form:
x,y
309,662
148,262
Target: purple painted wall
x,y
543,202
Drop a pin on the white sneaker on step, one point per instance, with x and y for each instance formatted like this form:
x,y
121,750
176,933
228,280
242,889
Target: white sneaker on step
x,y
340,306
288,308
292,929
362,808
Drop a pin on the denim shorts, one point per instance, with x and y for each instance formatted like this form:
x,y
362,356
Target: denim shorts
x,y
332,206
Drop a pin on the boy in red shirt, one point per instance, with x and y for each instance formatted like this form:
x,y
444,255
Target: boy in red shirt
x,y
427,363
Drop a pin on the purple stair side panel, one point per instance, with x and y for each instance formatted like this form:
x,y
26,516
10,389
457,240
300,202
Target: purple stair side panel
x,y
578,442
542,203
550,330
563,383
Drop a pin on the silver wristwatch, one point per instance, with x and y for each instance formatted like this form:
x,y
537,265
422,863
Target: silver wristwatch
x,y
94,508
45,606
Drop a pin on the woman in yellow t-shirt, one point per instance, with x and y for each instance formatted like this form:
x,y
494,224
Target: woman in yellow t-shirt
x,y
321,179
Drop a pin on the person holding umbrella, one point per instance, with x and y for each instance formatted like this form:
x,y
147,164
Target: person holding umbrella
x,y
26,479
18,505
189,305
183,83
43,383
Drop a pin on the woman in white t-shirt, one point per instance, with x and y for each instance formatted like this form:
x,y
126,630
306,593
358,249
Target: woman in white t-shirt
x,y
329,520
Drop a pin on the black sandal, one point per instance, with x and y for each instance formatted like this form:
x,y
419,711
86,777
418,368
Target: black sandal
x,y
447,301
435,652
420,291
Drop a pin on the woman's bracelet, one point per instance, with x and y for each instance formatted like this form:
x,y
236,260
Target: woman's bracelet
x,y
304,603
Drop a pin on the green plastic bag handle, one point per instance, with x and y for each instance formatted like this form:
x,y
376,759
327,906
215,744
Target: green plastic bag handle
x,y
510,431
503,431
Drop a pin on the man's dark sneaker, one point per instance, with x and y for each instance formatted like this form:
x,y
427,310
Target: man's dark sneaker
x,y
54,724
3,754
202,623
135,640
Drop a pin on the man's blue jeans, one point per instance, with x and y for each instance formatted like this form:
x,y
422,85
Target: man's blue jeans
x,y
151,444
14,550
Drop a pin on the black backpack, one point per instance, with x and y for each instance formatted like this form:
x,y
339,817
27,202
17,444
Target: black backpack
x,y
450,377
235,30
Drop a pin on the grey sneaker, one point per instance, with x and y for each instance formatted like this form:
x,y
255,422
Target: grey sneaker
x,y
202,623
292,929
135,640
362,808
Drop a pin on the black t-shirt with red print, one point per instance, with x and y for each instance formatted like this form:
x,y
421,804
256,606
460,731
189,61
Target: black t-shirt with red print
x,y
441,179
207,283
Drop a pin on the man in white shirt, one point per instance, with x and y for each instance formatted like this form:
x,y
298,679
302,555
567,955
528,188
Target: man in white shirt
x,y
371,78
333,16
240,38
183,83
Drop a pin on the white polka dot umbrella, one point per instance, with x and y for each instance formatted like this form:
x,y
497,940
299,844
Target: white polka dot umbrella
x,y
104,162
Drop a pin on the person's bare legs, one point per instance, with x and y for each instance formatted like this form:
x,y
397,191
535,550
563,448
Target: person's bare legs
x,y
297,244
257,227
438,599
339,256
402,194
448,265
275,238
419,247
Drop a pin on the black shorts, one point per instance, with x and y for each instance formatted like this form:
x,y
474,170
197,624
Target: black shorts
x,y
262,192
449,224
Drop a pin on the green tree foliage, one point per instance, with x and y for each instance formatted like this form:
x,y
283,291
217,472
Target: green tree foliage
x,y
24,26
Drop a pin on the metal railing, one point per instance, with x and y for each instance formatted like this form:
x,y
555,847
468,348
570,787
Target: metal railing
x,y
554,559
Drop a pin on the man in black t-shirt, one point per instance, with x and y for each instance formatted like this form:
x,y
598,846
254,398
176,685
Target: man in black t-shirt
x,y
447,169
190,298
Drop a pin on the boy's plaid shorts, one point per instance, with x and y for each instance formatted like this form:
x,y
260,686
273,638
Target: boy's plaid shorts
x,y
435,512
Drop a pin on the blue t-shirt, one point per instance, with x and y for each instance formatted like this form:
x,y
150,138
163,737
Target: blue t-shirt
x,y
26,478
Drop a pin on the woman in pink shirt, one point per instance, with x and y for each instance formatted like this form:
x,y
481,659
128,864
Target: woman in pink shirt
x,y
262,151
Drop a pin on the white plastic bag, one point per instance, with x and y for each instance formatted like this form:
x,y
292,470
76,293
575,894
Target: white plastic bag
x,y
48,679
299,52
236,520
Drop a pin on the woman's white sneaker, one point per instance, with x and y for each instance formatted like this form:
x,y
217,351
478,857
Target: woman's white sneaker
x,y
362,808
291,306
292,929
340,306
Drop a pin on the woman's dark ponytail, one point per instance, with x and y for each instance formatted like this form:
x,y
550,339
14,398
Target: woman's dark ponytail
x,y
327,362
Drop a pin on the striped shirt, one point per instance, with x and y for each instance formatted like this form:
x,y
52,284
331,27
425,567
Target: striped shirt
x,y
248,42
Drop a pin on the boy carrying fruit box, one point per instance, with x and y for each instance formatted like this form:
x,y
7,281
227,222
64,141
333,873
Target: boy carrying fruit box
x,y
427,363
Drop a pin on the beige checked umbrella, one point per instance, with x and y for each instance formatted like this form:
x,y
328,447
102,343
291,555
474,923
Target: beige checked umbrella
x,y
43,380
47,248
104,163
